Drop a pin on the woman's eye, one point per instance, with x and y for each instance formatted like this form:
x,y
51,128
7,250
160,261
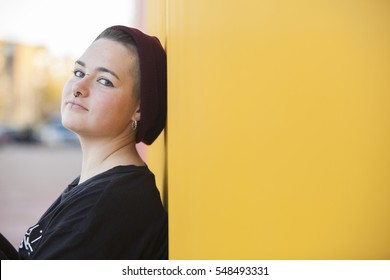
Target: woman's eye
x,y
105,82
78,73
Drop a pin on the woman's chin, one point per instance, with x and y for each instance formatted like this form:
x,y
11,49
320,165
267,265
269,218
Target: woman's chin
x,y
71,125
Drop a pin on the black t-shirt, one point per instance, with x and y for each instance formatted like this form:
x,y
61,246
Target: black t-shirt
x,y
115,215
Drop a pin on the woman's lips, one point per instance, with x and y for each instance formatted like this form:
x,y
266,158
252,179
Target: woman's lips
x,y
76,105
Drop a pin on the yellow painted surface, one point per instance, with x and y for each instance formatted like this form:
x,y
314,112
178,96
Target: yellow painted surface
x,y
279,129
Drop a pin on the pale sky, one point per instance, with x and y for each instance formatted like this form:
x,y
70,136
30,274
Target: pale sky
x,y
64,26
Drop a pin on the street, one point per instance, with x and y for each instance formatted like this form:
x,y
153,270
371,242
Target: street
x,y
32,176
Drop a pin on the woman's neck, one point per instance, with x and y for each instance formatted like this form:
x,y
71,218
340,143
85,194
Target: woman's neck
x,y
100,155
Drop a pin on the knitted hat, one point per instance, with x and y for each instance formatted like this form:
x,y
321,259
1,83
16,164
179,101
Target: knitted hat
x,y
153,75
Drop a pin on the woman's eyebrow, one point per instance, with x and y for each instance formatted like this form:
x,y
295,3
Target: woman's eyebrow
x,y
99,69
104,69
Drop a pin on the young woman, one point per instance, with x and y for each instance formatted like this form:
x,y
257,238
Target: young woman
x,y
115,99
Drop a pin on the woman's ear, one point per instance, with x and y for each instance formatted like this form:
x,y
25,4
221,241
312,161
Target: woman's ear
x,y
137,113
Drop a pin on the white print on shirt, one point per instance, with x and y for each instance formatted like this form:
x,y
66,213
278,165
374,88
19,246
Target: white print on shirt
x,y
31,234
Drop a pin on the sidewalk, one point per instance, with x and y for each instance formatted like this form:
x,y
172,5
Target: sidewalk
x,y
31,178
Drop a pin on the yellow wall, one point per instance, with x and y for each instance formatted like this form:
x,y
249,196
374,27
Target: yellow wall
x,y
278,129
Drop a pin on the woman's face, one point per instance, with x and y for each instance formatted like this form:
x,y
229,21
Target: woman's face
x,y
103,80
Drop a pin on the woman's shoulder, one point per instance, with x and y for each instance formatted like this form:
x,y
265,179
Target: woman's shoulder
x,y
130,185
127,176
117,188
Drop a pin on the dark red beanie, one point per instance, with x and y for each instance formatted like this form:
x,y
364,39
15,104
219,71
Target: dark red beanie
x,y
153,75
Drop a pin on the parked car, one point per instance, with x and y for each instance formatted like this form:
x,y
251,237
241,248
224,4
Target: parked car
x,y
25,134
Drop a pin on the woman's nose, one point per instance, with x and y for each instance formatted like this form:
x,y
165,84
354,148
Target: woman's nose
x,y
81,87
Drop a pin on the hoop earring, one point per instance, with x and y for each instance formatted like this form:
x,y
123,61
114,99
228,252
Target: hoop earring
x,y
134,125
